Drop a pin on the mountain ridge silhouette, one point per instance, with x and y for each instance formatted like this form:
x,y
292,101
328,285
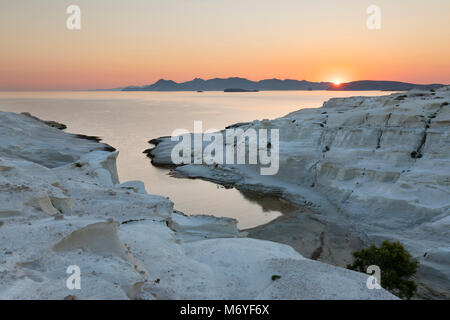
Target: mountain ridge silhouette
x,y
221,84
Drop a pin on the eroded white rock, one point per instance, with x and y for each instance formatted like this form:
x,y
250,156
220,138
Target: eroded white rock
x,y
118,235
377,165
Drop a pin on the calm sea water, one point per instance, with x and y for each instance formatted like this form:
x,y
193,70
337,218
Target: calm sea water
x,y
127,120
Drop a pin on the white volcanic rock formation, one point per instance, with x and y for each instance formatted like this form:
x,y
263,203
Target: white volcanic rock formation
x,y
379,166
61,205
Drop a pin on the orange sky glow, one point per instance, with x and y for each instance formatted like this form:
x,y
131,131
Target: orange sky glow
x,y
137,42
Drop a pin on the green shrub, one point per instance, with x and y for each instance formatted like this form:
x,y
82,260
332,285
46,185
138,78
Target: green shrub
x,y
276,277
396,265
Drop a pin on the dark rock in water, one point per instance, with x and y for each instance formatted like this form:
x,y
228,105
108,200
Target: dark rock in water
x,y
56,125
109,148
148,152
156,141
96,139
239,90
85,137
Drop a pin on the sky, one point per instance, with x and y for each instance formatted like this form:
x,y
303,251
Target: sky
x,y
136,42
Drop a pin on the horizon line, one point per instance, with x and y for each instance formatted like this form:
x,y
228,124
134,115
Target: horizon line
x,y
204,79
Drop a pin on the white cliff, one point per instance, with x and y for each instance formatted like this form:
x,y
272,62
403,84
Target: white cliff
x,y
61,204
377,167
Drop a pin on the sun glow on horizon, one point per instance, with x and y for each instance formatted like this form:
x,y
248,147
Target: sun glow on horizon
x,y
137,42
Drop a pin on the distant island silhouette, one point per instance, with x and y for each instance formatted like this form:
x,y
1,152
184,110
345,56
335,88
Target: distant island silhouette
x,y
240,90
243,85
